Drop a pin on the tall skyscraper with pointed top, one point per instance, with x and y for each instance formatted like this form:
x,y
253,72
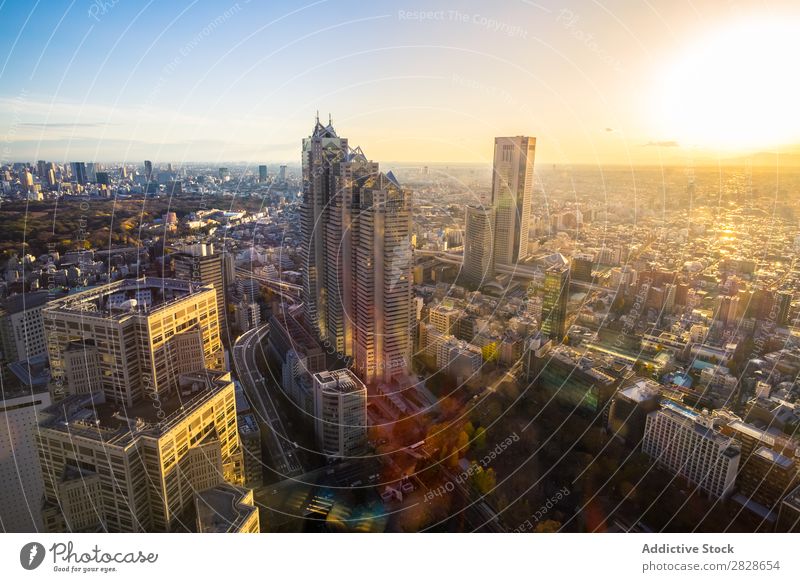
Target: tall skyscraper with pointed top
x,y
356,225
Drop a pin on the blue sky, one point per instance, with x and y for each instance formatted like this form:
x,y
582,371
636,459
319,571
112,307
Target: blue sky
x,y
422,81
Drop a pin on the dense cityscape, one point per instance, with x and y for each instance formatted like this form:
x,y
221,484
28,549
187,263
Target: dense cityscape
x,y
339,345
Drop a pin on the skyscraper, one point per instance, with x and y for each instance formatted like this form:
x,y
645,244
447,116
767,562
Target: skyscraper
x,y
322,153
512,191
79,172
148,170
199,263
20,474
262,173
478,245
382,278
282,174
554,305
356,225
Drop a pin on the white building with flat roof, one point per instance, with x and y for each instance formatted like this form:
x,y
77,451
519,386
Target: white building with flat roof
x,y
340,413
686,443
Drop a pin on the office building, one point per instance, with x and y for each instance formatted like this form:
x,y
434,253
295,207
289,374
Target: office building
x,y
248,315
356,226
26,181
582,267
766,477
262,174
629,409
111,467
299,355
79,173
443,317
478,246
200,263
789,513
282,174
512,196
340,413
148,170
554,302
687,443
382,280
459,359
21,326
143,332
323,213
250,439
21,485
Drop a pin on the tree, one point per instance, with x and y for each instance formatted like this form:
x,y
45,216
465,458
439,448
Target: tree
x,y
485,481
480,437
548,526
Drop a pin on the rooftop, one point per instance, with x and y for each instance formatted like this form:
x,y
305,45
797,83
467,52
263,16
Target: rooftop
x,y
774,457
23,301
128,296
223,509
343,381
33,373
90,416
641,390
247,424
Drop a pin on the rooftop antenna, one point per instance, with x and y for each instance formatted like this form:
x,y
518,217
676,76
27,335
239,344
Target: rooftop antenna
x,y
329,119
317,115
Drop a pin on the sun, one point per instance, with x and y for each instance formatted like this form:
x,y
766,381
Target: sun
x,y
736,89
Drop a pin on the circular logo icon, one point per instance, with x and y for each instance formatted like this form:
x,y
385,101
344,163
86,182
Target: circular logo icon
x,y
31,555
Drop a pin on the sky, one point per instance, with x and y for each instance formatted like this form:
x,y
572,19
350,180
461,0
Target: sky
x,y
612,82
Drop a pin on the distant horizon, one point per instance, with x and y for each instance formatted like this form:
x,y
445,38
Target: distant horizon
x,y
244,81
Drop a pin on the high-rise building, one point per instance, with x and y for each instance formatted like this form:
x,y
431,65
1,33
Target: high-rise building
x,y
443,317
91,171
479,245
512,193
340,413
200,263
383,310
110,467
79,172
582,267
282,174
262,173
687,443
21,485
554,304
148,170
21,326
326,214
250,438
356,225
143,332
26,180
